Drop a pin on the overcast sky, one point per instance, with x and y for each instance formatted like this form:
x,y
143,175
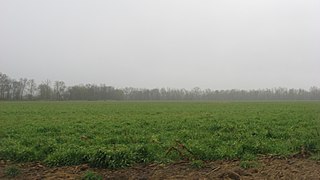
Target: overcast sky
x,y
217,44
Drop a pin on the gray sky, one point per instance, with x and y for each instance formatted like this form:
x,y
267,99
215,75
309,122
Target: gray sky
x,y
217,44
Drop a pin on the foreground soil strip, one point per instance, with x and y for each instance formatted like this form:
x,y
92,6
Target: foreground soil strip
x,y
266,168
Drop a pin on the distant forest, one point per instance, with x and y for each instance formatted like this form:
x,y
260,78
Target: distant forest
x,y
27,89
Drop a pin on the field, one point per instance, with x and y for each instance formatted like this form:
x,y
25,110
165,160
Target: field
x,y
121,134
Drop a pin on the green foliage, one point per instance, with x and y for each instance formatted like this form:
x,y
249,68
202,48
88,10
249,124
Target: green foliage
x,y
249,164
111,158
120,134
66,157
197,164
248,157
11,171
90,175
316,157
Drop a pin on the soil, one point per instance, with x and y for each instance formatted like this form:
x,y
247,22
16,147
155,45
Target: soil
x,y
264,168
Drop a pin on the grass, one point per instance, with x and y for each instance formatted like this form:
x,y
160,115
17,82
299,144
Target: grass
x,y
90,175
249,164
12,171
197,164
316,156
120,134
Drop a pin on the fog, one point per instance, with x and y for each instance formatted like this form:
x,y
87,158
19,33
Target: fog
x,y
220,44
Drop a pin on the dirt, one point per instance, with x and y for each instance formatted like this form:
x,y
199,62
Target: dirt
x,y
264,168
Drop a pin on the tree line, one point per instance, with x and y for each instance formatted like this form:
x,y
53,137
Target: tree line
x,y
27,89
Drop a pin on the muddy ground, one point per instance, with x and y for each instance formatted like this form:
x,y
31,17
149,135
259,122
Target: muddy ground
x,y
264,168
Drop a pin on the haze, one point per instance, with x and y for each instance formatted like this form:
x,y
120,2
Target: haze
x,y
220,44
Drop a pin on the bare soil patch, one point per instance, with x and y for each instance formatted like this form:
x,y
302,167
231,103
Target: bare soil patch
x,y
265,168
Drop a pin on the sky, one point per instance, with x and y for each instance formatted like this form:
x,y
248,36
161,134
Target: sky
x,y
216,44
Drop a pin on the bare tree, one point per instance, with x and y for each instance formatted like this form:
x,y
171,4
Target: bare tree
x,y
22,86
31,88
4,83
45,90
59,89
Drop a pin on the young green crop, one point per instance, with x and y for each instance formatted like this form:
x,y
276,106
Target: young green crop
x,y
120,134
11,171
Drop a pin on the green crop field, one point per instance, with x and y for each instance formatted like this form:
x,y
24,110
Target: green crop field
x,y
119,134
